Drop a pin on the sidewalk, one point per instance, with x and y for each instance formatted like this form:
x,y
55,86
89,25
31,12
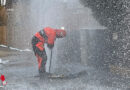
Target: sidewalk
x,y
5,52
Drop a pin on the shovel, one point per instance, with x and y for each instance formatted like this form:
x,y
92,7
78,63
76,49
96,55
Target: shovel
x,y
50,62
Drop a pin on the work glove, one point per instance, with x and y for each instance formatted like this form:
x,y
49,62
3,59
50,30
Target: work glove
x,y
50,46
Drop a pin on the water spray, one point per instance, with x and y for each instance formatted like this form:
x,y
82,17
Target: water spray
x,y
63,28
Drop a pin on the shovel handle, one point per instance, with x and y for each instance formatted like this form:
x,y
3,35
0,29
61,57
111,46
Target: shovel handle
x,y
50,62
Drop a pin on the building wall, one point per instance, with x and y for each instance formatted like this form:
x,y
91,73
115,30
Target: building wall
x,y
3,32
28,17
3,23
3,16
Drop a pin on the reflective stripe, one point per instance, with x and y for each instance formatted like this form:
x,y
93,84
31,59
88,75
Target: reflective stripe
x,y
39,59
39,37
43,34
40,45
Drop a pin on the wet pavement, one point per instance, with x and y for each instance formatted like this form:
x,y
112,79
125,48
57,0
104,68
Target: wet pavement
x,y
21,70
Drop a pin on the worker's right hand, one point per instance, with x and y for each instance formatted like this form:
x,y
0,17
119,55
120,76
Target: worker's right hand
x,y
50,46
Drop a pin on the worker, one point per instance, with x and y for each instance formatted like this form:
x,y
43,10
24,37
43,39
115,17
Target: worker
x,y
47,35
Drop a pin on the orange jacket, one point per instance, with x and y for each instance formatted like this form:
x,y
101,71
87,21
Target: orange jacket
x,y
51,35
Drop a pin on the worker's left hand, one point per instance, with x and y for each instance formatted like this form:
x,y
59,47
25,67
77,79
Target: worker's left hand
x,y
50,46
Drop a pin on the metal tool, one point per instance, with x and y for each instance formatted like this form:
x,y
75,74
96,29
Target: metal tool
x,y
50,61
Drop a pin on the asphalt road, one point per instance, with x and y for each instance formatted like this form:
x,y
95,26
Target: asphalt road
x,y
21,70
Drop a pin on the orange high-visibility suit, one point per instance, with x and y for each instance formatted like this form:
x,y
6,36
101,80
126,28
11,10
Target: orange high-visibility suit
x,y
47,35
